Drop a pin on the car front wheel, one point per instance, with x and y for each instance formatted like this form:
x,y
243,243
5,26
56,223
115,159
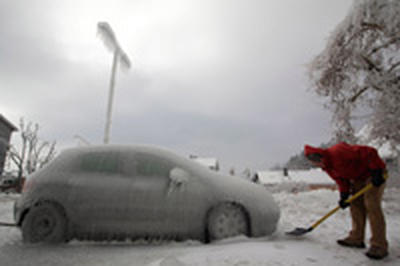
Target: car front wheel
x,y
227,220
46,223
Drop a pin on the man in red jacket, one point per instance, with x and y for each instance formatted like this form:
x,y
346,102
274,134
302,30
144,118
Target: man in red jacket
x,y
352,167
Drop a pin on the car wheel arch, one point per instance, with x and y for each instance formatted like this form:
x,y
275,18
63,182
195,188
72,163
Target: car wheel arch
x,y
40,202
207,238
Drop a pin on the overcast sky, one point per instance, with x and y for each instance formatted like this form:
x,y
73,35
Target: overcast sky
x,y
218,78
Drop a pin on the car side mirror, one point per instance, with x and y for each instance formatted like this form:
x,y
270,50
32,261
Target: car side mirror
x,y
178,178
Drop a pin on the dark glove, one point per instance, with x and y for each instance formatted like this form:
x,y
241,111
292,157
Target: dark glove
x,y
377,177
342,202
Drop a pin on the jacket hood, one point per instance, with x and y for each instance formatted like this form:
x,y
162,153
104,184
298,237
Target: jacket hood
x,y
308,150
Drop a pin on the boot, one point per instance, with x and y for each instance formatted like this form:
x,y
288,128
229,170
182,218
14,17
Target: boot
x,y
348,242
376,253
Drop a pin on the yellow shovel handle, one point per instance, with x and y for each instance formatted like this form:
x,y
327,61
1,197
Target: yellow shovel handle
x,y
352,198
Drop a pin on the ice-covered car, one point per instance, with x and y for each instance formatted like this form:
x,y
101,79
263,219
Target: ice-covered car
x,y
128,192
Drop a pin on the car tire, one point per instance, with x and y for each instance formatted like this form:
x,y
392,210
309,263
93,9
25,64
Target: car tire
x,y
45,222
227,220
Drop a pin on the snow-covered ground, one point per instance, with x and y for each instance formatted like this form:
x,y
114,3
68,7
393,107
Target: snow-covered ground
x,y
298,210
312,176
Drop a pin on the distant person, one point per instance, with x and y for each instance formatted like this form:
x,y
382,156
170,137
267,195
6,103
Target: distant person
x,y
352,167
255,178
232,171
285,171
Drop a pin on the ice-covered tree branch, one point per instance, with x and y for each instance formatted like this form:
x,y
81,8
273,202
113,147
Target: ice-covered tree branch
x,y
358,71
32,153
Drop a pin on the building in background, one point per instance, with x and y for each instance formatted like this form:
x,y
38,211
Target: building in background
x,y
6,129
211,163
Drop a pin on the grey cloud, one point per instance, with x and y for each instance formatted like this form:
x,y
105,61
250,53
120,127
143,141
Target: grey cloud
x,y
245,102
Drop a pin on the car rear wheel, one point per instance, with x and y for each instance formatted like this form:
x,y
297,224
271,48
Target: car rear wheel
x,y
46,223
227,220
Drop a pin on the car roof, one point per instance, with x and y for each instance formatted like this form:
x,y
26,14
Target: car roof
x,y
71,153
121,148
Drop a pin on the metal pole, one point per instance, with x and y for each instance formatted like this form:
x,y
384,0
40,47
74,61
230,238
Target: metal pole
x,y
110,98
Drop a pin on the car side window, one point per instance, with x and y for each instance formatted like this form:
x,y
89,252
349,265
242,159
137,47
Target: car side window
x,y
149,165
100,163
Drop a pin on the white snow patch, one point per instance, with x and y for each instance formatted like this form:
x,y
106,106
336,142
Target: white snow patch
x,y
313,176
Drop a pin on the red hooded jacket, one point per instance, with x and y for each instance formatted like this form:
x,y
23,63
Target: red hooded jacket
x,y
346,163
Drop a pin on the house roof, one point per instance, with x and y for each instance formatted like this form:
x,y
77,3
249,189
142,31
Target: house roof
x,y
209,162
7,123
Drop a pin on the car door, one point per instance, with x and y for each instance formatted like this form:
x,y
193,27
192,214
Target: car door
x,y
100,193
157,206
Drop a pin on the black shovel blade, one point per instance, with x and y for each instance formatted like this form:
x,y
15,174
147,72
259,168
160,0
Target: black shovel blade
x,y
299,231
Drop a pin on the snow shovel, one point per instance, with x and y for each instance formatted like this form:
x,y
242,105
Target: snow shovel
x,y
301,231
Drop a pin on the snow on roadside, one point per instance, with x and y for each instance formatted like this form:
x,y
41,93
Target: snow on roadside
x,y
7,234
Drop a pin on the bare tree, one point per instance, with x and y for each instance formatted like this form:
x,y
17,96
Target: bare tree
x,y
358,72
32,153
